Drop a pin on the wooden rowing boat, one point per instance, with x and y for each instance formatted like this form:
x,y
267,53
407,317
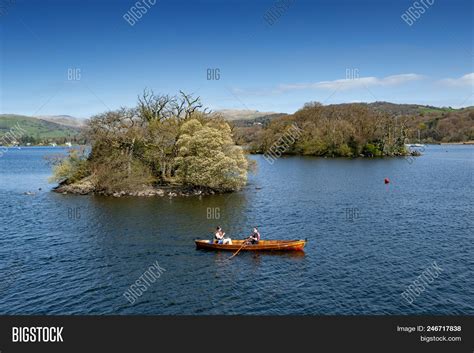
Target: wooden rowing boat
x,y
263,245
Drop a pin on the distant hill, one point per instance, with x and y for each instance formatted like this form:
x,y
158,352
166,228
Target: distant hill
x,y
236,114
248,118
251,117
261,120
37,130
431,124
401,109
65,120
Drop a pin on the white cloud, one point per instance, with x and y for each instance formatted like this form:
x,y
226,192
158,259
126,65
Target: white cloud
x,y
345,84
466,80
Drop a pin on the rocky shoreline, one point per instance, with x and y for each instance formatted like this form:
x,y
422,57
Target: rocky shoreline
x,y
86,187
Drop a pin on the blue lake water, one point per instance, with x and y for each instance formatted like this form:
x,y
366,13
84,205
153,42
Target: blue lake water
x,y
367,241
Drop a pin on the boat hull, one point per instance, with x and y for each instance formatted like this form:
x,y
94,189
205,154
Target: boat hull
x,y
263,245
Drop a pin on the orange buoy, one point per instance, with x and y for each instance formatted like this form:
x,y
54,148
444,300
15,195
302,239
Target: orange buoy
x,y
386,180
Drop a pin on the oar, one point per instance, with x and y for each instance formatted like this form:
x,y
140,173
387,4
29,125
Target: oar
x,y
245,243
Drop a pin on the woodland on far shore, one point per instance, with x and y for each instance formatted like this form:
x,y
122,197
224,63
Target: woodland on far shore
x,y
359,129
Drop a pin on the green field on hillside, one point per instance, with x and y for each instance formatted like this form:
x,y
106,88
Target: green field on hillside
x,y
36,130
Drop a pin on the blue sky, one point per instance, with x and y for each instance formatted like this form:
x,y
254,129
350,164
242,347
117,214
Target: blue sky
x,y
305,55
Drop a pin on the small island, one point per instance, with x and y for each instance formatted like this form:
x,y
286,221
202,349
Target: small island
x,y
166,145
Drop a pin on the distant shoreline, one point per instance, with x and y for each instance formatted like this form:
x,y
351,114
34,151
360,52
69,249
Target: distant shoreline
x,y
457,143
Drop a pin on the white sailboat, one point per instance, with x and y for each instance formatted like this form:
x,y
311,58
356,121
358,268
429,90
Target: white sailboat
x,y
416,145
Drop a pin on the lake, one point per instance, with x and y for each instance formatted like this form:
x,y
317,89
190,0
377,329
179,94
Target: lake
x,y
367,241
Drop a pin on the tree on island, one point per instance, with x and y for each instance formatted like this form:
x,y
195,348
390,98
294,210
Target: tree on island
x,y
208,156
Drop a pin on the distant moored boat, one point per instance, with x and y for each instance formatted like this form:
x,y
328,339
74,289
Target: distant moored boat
x,y
415,145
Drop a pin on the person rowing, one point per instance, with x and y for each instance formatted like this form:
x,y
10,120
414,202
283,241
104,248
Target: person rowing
x,y
219,237
254,237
